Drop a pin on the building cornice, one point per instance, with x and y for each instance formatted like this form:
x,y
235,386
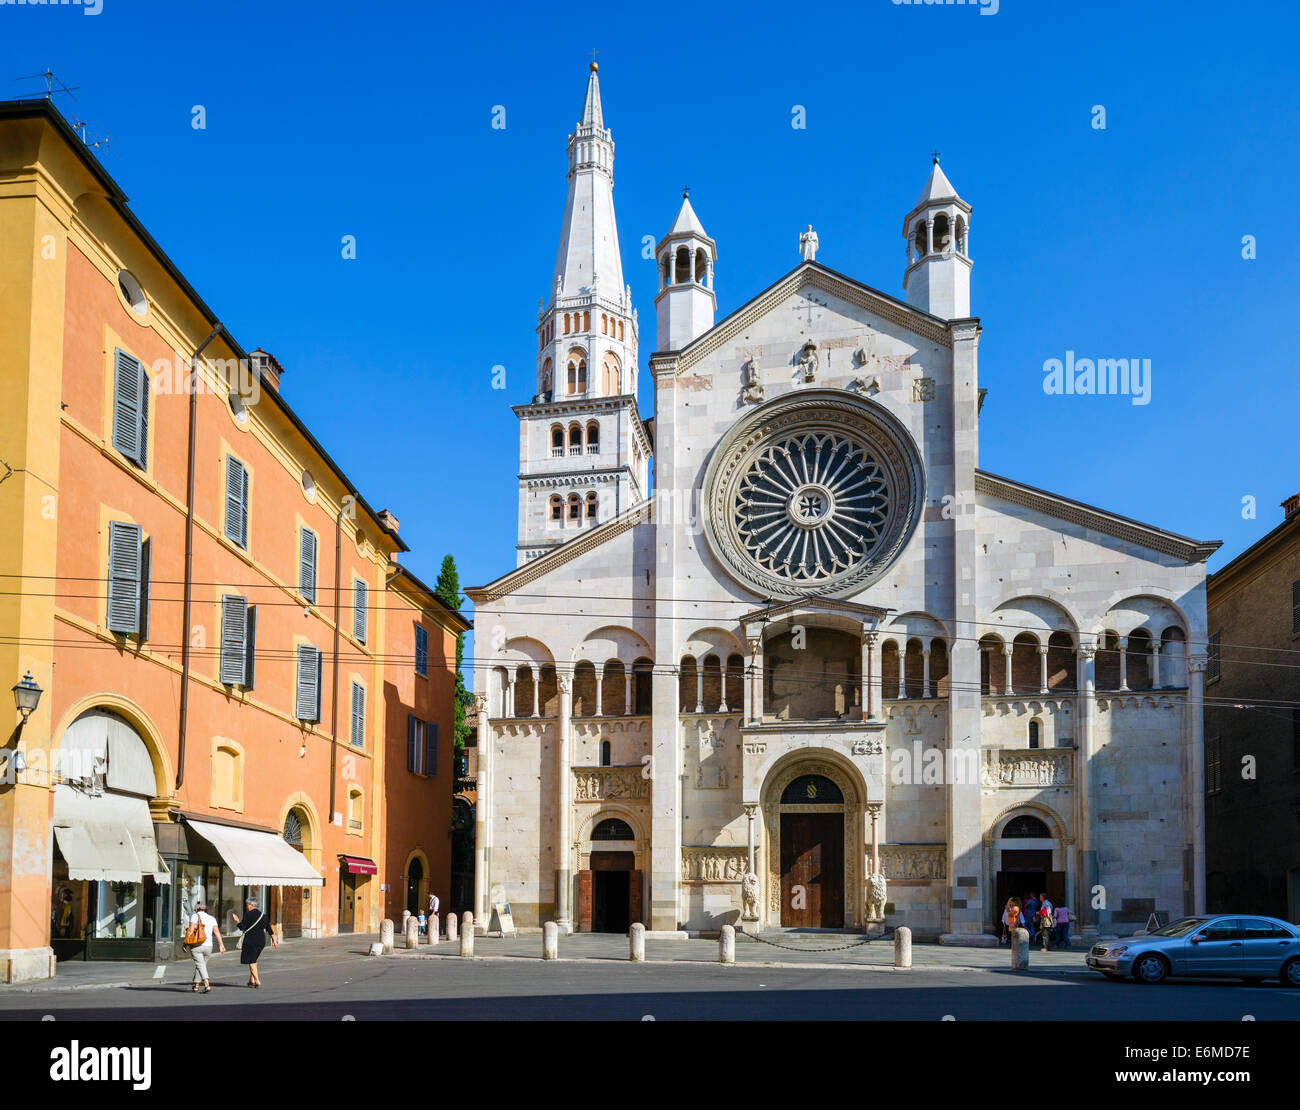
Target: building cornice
x,y
1098,520
817,276
1258,559
566,552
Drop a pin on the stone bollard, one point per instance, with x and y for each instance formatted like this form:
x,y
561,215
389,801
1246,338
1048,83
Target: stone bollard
x,y
550,941
636,943
1019,949
467,935
727,945
902,946
412,927
386,935
433,929
451,926
376,949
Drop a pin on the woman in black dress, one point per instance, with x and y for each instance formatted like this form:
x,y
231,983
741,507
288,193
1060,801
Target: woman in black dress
x,y
256,930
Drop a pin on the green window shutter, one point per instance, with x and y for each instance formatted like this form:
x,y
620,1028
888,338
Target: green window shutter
x,y
250,647
358,716
146,553
307,565
307,706
127,391
431,747
359,610
124,578
236,502
412,745
234,639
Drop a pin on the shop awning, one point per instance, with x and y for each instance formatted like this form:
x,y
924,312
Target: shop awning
x,y
359,865
258,858
106,837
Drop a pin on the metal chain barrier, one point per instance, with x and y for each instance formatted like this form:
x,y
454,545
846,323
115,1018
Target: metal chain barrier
x,y
801,948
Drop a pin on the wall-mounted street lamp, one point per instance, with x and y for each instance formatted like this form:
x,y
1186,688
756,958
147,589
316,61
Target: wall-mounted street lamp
x,y
27,695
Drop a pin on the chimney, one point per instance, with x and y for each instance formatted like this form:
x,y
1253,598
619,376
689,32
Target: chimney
x,y
390,522
1290,505
266,367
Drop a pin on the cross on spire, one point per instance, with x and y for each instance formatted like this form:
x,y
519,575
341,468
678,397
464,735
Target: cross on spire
x,y
935,155
593,58
686,192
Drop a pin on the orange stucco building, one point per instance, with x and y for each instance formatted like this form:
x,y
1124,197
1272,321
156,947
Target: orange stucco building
x,y
244,692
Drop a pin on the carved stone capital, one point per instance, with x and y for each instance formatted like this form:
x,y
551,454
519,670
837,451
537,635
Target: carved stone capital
x,y
1197,663
480,703
874,808
1087,652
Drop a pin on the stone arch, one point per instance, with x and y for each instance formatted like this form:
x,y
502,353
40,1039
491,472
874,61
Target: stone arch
x,y
1158,608
138,719
312,837
1053,820
422,889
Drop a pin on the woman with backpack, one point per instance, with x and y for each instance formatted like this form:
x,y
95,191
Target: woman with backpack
x,y
1010,918
256,930
200,931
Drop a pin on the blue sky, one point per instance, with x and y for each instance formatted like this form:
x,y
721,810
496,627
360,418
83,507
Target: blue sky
x,y
330,119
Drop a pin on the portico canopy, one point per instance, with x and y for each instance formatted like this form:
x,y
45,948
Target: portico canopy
x,y
257,858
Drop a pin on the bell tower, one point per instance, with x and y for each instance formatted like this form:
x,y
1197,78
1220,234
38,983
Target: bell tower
x,y
685,303
584,454
937,231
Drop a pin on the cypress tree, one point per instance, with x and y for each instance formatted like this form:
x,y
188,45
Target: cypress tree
x,y
447,591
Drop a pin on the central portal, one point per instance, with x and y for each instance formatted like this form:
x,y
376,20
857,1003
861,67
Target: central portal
x,y
812,870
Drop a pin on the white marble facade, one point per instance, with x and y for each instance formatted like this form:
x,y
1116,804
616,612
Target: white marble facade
x,y
823,584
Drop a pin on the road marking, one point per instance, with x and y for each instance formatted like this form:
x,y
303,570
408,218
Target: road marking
x,y
160,971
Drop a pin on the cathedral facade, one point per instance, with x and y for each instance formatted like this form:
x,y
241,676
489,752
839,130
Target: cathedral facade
x,y
783,655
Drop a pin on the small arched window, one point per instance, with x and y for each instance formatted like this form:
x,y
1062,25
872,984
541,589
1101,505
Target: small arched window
x,y
591,506
586,321
620,331
566,323
593,438
683,265
613,829
557,507
575,439
701,265
605,755
575,507
1026,827
921,238
582,375
1033,734
573,376
557,440
942,233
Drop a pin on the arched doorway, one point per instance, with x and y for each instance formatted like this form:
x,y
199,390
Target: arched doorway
x,y
288,911
610,882
1025,861
814,846
414,881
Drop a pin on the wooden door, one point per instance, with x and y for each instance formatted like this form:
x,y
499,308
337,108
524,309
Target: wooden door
x,y
347,902
634,897
584,901
812,870
291,910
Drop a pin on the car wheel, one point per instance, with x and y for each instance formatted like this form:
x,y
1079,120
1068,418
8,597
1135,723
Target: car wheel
x,y
1291,974
1151,969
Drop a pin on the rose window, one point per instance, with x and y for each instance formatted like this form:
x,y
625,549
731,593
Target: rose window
x,y
811,506
813,494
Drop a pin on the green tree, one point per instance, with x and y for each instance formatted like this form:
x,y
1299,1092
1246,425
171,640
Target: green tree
x,y
448,592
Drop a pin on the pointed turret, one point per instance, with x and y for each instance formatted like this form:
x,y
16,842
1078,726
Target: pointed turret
x,y
685,303
937,228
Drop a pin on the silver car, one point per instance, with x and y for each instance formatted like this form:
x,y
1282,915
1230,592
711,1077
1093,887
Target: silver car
x,y
1232,945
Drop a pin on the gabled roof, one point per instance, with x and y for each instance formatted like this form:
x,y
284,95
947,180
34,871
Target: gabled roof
x,y
566,552
1099,520
829,281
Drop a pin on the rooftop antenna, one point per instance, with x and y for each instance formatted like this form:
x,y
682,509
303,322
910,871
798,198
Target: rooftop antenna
x,y
47,75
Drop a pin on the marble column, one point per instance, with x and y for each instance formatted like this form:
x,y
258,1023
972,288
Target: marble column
x,y
483,803
1042,669
751,815
629,698
1087,871
1123,663
600,690
873,811
902,671
1196,775
537,691
756,698
869,639
510,697
563,862
925,671
1155,664
699,685
1007,651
